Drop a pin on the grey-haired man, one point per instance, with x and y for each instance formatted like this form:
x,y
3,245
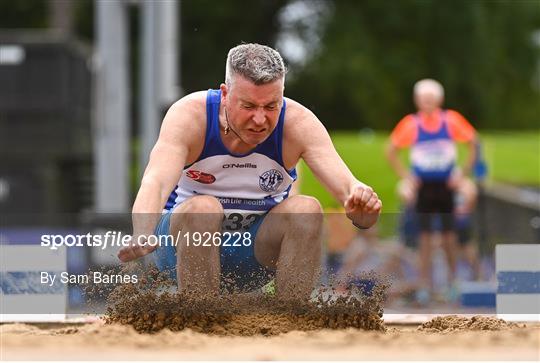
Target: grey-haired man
x,y
229,158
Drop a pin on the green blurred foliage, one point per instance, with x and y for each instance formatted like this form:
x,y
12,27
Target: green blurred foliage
x,y
370,55
84,19
23,14
374,51
210,28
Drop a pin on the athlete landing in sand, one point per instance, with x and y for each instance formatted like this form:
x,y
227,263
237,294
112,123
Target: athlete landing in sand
x,y
229,158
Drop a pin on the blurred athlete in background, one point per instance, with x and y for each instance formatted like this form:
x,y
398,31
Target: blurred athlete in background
x,y
431,134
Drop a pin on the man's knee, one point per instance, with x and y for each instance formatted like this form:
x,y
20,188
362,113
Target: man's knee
x,y
305,213
305,204
201,210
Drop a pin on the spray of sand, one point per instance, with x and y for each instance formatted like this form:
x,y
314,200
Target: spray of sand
x,y
154,303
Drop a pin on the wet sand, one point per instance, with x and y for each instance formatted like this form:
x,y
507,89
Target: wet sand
x,y
448,338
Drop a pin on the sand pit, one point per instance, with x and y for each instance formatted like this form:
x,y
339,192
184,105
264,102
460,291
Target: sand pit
x,y
149,322
114,342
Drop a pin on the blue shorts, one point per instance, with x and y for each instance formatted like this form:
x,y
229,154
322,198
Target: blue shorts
x,y
240,270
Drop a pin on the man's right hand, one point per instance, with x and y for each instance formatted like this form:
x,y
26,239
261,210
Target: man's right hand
x,y
137,249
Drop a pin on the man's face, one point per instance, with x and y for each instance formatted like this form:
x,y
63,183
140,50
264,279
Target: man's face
x,y
427,101
253,111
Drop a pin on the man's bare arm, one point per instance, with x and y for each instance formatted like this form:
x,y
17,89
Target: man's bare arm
x,y
360,201
176,145
393,158
471,158
308,138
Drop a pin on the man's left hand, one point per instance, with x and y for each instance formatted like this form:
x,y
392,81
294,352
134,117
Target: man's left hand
x,y
363,206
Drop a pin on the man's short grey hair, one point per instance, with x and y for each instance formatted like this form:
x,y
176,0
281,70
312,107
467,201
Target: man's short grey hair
x,y
429,85
257,63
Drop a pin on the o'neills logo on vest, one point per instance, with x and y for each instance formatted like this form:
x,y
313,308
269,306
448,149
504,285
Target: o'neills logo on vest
x,y
201,176
241,166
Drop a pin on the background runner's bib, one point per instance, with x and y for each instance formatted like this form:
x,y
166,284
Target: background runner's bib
x,y
433,155
247,185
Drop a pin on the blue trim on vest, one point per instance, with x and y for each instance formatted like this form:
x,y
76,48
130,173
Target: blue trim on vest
x,y
172,198
256,208
441,134
518,282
